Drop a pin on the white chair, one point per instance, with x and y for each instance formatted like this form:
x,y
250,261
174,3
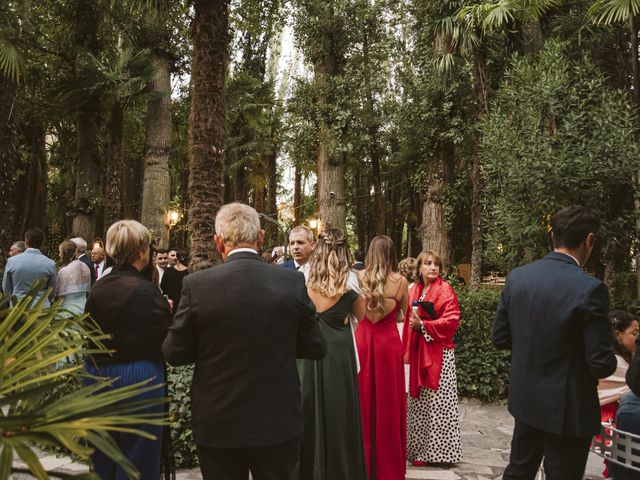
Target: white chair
x,y
616,446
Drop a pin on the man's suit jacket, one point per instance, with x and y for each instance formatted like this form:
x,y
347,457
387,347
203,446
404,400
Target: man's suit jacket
x,y
24,269
289,264
243,323
553,317
84,258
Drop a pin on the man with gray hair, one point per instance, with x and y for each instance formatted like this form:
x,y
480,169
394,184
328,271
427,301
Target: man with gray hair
x,y
301,245
243,323
81,254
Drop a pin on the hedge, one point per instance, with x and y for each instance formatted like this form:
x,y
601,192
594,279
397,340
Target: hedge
x,y
482,370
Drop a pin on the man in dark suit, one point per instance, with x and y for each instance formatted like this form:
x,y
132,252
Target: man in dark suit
x,y
301,246
81,253
553,317
244,323
358,256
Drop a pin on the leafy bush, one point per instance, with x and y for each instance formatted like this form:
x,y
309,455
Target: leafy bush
x,y
184,447
557,135
483,371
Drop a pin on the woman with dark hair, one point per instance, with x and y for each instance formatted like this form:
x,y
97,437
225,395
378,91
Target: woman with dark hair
x,y
171,284
130,308
432,405
381,377
74,280
332,446
624,327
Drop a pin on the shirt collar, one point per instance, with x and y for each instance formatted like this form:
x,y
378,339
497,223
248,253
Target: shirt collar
x,y
240,250
570,256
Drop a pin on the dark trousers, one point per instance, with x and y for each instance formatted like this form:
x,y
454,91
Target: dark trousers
x,y
278,462
565,457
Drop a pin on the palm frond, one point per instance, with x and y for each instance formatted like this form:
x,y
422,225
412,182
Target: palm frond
x,y
11,60
33,343
606,12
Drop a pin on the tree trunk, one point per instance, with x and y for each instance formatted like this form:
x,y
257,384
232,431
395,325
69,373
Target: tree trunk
x,y
434,230
130,184
297,196
156,181
36,194
331,201
414,246
113,174
87,198
87,195
362,198
272,201
532,37
477,185
9,164
207,126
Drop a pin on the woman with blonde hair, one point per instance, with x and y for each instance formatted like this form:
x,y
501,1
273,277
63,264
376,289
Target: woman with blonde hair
x,y
432,405
129,307
381,377
332,444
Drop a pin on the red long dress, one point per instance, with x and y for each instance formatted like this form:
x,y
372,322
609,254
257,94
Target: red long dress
x,y
382,397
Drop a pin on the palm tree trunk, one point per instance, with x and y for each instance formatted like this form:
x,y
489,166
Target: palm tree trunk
x,y
36,192
207,126
156,181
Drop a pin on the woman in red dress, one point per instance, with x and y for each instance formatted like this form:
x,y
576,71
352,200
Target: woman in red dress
x,y
432,405
381,377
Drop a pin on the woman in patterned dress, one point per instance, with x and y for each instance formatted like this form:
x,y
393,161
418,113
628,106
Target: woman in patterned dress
x,y
432,405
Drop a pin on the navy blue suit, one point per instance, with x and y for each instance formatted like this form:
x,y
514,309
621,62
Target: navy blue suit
x,y
553,317
289,264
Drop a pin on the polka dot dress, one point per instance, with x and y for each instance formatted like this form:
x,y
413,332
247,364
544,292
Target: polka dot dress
x,y
433,426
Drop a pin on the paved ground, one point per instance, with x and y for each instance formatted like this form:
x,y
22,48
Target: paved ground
x,y
486,435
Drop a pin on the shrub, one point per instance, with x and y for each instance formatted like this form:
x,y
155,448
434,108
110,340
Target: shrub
x,y
482,370
184,447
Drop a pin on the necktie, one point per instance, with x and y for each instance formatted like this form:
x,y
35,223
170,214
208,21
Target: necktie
x,y
97,270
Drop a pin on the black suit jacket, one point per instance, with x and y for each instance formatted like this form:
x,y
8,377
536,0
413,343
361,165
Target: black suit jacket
x,y
553,317
243,323
84,258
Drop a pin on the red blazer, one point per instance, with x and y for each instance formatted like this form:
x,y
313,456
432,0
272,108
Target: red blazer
x,y
425,358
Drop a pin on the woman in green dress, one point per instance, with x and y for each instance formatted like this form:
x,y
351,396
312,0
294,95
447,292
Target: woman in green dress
x,y
332,444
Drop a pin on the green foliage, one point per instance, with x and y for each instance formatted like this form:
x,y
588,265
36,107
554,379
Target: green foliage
x,y
482,370
184,447
36,342
556,136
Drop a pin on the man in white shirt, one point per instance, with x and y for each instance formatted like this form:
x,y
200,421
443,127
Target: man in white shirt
x,y
161,261
301,245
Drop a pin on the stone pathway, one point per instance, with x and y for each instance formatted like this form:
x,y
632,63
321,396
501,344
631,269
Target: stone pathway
x,y
486,437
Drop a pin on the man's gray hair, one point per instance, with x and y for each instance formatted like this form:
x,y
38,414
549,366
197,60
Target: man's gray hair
x,y
301,228
81,244
237,223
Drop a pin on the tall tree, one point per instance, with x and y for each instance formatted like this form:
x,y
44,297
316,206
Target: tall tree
x,y
322,31
207,126
87,192
156,184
